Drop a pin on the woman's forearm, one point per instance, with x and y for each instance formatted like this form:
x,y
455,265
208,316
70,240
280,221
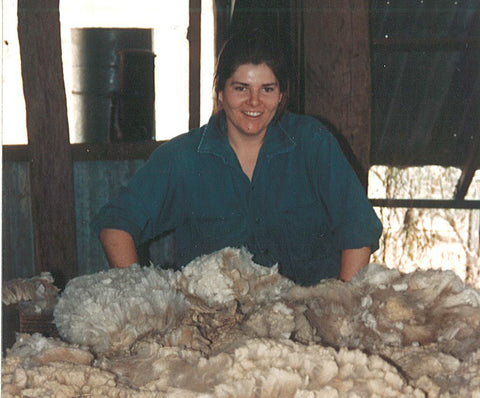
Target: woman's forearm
x,y
119,247
353,260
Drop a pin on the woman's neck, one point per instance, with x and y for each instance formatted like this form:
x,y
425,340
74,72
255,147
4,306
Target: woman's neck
x,y
247,150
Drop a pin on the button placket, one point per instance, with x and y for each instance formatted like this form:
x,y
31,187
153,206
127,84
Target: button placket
x,y
255,213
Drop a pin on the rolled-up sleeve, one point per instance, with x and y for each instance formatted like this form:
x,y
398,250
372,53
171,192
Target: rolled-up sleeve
x,y
142,207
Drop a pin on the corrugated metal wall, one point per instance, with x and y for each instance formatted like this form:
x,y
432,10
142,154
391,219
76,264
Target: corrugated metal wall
x,y
95,183
17,229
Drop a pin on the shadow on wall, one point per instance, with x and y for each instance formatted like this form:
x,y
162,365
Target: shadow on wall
x,y
362,174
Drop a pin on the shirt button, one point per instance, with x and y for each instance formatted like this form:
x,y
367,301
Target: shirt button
x,y
257,220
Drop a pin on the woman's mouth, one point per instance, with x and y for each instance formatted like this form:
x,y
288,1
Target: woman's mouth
x,y
252,114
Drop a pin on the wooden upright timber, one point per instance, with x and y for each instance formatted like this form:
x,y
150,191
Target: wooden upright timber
x,y
51,172
194,45
337,71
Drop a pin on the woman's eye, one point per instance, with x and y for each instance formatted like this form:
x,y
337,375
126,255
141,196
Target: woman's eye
x,y
240,88
268,89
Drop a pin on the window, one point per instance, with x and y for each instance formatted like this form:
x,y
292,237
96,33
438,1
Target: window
x,y
14,130
169,44
416,237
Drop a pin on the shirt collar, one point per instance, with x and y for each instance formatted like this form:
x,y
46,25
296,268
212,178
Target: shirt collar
x,y
214,138
278,139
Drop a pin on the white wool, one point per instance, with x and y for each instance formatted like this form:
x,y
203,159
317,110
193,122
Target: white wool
x,y
207,281
230,274
276,321
27,346
400,287
366,301
110,310
39,290
235,328
375,275
469,296
35,349
424,306
310,368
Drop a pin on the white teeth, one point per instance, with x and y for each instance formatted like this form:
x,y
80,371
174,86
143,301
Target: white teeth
x,y
253,113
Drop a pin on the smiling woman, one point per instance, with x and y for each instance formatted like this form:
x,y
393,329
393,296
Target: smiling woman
x,y
250,99
254,176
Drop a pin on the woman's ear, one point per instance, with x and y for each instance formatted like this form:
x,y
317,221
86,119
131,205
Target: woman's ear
x,y
220,97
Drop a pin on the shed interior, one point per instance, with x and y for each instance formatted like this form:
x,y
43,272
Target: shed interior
x,y
398,83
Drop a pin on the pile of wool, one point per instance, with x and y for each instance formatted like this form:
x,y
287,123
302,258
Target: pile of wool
x,y
225,325
231,298
383,307
110,310
191,308
39,290
42,367
229,276
427,323
258,368
436,373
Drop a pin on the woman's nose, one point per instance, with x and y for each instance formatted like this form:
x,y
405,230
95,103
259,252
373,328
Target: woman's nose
x,y
254,98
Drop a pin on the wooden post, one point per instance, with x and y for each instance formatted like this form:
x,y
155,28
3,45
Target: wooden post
x,y
194,42
221,20
51,174
337,71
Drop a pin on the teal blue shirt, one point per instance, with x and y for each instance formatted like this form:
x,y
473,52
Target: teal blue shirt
x,y
303,206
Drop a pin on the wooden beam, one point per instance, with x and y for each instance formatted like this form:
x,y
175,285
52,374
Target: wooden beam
x,y
221,20
51,174
15,153
425,44
337,71
427,203
114,151
96,151
468,171
194,62
297,99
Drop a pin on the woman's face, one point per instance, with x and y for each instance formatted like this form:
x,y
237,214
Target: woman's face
x,y
250,100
